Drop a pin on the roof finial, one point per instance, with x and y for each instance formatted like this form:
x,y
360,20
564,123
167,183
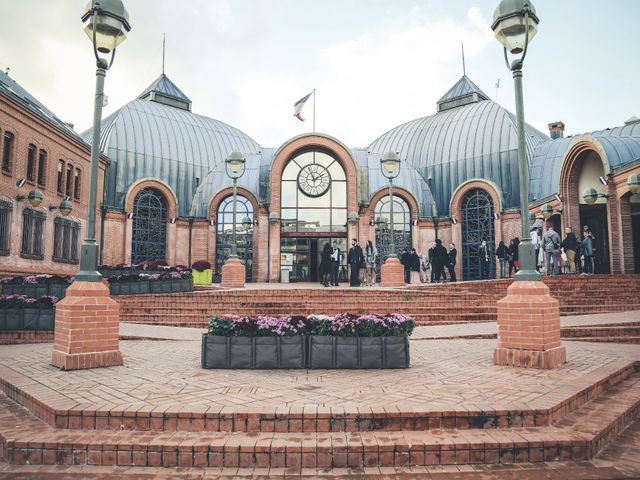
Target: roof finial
x,y
464,70
163,41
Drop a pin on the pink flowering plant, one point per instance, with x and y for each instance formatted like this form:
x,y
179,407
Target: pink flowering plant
x,y
343,324
22,301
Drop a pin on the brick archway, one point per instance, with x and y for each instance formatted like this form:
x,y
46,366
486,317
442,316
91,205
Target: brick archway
x,y
403,193
302,143
572,164
226,192
455,208
166,190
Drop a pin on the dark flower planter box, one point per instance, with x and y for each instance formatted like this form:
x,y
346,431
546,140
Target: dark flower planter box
x,y
27,319
253,352
358,352
138,287
58,290
324,352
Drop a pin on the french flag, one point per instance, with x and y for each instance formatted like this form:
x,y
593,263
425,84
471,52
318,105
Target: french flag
x,y
297,107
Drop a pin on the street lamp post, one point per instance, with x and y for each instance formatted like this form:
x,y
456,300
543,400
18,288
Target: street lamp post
x,y
515,24
235,166
106,24
390,166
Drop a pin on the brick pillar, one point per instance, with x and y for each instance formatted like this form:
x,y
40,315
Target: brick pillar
x,y
625,233
87,328
392,273
233,273
615,241
529,328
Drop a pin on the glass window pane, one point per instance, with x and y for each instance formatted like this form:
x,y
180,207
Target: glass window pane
x,y
314,202
339,220
314,220
290,172
336,171
339,194
289,192
288,217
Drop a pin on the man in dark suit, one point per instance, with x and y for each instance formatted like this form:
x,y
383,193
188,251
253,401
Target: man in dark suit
x,y
355,259
335,264
453,253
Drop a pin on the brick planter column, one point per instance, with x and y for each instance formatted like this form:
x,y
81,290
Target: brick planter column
x,y
233,273
392,273
529,328
87,328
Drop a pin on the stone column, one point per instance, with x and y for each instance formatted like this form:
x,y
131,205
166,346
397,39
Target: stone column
x,y
128,239
233,273
529,328
392,273
87,328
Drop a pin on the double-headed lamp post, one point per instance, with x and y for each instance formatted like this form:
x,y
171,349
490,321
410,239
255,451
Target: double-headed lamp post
x,y
515,23
235,166
106,23
390,166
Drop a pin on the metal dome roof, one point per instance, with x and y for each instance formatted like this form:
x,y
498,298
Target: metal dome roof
x,y
475,140
620,144
147,139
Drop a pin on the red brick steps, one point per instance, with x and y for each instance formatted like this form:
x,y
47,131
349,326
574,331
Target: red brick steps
x,y
578,436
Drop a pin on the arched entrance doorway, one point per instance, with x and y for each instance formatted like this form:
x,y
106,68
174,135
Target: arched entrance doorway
x,y
587,171
149,236
477,216
313,196
224,235
401,228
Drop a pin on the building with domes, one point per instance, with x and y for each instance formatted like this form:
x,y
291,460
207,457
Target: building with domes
x,y
167,195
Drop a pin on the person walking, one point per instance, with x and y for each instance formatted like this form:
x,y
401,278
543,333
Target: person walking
x,y
510,257
370,254
501,253
551,244
325,264
430,256
483,256
453,254
355,259
569,246
335,264
414,267
587,252
440,258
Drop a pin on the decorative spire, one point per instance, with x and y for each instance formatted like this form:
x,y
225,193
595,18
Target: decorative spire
x,y
464,70
163,48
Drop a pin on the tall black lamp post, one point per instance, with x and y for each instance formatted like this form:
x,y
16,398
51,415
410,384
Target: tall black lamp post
x,y
390,166
235,166
106,23
515,23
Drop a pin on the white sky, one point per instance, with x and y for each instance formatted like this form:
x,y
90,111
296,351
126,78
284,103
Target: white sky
x,y
375,63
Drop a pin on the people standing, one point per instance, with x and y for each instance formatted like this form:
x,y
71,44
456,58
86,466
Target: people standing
x,y
535,241
569,245
510,249
406,264
414,267
370,254
551,244
453,254
355,259
587,252
483,256
325,264
335,264
501,253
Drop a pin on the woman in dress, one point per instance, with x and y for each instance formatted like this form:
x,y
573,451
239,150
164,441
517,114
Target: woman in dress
x,y
370,254
325,264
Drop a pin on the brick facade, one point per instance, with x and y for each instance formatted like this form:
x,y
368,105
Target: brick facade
x,y
28,129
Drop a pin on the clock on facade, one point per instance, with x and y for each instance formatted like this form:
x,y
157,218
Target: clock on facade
x,y
314,180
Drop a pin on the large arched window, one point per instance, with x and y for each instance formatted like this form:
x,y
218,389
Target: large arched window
x,y
477,225
149,226
314,194
244,235
401,227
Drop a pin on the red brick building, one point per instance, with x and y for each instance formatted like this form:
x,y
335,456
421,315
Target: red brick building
x,y
167,196
39,148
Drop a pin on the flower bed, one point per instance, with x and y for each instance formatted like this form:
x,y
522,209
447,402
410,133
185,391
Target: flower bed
x,y
343,341
167,280
19,312
35,286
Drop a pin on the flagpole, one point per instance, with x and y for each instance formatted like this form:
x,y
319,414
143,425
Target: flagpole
x,y
314,110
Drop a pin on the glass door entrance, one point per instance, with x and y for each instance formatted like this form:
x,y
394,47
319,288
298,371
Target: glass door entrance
x,y
300,258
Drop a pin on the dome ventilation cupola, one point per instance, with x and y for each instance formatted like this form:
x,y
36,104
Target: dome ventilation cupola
x,y
462,93
164,91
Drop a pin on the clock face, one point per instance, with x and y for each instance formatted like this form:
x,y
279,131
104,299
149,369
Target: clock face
x,y
314,180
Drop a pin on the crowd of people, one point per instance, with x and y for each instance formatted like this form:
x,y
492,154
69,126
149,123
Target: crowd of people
x,y
554,256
